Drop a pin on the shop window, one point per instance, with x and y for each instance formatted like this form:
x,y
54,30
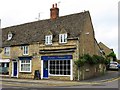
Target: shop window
x,y
63,38
25,65
59,67
48,39
7,51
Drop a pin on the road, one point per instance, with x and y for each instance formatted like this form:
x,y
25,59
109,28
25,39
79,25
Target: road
x,y
110,81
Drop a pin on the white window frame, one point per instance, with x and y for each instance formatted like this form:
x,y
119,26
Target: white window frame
x,y
26,64
60,69
48,39
63,38
24,50
7,51
9,36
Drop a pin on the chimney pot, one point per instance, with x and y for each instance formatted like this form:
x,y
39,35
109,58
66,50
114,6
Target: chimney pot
x,y
56,5
53,6
54,11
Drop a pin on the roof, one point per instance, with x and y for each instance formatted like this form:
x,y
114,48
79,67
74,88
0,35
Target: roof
x,y
105,49
36,31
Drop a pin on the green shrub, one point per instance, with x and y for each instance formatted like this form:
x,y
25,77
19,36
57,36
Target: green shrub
x,y
80,62
95,59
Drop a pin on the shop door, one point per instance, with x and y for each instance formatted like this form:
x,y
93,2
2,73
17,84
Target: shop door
x,y
45,69
15,69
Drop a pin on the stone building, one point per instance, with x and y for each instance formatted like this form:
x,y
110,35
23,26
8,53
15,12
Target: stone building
x,y
107,51
50,46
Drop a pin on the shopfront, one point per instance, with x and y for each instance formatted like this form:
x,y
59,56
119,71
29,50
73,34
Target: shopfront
x,y
56,66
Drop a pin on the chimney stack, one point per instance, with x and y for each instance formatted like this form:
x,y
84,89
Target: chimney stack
x,y
54,11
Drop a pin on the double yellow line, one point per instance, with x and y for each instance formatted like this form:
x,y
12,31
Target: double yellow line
x,y
111,80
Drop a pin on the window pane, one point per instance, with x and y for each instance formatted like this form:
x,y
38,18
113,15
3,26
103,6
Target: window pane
x,y
51,71
22,61
27,61
57,72
54,62
60,67
61,39
7,64
26,49
57,62
64,72
2,64
64,61
51,62
21,67
68,72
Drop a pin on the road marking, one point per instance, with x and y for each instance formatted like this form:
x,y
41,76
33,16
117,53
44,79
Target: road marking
x,y
111,80
21,85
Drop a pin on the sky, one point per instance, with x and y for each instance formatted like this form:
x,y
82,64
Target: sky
x,y
104,15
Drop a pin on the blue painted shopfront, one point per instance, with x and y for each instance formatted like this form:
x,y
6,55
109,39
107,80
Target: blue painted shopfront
x,y
45,62
62,57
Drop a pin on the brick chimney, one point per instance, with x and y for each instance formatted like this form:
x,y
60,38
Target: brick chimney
x,y
54,12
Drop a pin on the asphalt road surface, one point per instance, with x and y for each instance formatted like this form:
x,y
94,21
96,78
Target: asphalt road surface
x,y
110,81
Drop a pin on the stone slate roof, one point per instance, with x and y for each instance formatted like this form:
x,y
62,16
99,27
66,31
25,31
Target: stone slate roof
x,y
105,49
36,31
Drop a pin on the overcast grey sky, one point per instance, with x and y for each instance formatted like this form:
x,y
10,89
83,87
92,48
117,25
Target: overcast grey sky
x,y
104,14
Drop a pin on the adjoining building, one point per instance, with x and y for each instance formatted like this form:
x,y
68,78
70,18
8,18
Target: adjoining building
x,y
50,46
108,52
105,49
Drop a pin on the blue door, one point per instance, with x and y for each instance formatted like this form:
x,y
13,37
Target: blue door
x,y
45,69
15,69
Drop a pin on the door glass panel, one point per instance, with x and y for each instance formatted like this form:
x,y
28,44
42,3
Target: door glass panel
x,y
46,65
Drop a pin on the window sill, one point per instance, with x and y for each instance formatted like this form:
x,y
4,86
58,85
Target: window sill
x,y
25,54
63,43
58,75
25,71
48,44
6,55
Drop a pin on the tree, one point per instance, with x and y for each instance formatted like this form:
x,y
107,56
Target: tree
x,y
112,55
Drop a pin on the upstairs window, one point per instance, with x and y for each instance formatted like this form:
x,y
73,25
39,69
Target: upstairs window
x,y
63,38
9,36
7,51
48,39
25,50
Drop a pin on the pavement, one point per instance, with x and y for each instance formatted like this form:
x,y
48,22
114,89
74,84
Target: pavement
x,y
48,83
42,83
